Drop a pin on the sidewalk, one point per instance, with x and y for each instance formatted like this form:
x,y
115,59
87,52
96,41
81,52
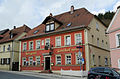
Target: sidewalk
x,y
44,75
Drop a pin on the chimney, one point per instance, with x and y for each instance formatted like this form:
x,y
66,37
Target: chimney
x,y
72,9
51,14
14,27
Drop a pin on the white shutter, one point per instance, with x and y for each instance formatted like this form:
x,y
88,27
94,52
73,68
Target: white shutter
x,y
119,63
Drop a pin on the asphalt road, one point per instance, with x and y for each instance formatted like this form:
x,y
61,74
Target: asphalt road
x,y
6,75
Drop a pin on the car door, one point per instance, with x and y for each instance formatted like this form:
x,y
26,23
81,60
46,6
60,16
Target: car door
x,y
108,74
99,73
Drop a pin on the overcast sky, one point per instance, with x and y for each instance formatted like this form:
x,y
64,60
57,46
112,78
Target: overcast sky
x,y
33,12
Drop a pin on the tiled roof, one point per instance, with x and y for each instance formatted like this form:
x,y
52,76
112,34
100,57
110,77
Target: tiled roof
x,y
16,32
80,17
3,31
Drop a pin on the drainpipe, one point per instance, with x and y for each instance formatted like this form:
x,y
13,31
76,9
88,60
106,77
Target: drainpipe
x,y
20,57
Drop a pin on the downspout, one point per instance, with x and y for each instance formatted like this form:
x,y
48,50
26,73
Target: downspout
x,y
20,57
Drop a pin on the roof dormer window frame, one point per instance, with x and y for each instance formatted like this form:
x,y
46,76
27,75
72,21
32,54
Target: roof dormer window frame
x,y
49,27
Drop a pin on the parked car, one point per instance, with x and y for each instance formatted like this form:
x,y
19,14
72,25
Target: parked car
x,y
103,73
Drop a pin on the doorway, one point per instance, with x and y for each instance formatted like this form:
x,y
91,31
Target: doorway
x,y
47,63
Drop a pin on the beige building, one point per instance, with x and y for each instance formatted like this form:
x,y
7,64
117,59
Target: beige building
x,y
9,48
97,45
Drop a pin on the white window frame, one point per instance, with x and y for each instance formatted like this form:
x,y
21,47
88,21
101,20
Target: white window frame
x,y
56,41
24,49
42,42
57,60
46,41
65,40
76,38
23,61
119,63
117,41
66,62
37,59
30,45
37,44
30,61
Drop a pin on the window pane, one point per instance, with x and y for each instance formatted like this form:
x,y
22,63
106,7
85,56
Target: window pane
x,y
38,44
58,41
25,46
48,42
68,40
31,45
78,38
68,58
52,27
47,27
58,60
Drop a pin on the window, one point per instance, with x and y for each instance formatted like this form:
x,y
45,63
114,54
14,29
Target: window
x,y
67,40
31,46
24,46
38,60
68,59
24,61
102,43
78,38
106,61
5,60
38,44
30,60
50,27
58,59
58,41
8,48
97,41
119,63
99,60
93,60
8,60
97,26
47,42
2,62
118,40
77,60
4,48
42,42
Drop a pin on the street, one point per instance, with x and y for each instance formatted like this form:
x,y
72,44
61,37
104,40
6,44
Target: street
x,y
32,75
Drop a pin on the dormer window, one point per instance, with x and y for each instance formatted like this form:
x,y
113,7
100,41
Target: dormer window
x,y
50,27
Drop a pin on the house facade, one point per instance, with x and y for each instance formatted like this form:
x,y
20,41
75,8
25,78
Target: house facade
x,y
114,38
9,48
74,40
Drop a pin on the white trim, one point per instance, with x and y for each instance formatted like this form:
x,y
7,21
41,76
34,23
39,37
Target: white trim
x,y
36,44
56,40
29,60
36,59
23,60
66,59
113,20
65,39
23,46
56,59
46,39
75,37
116,38
29,44
119,63
44,62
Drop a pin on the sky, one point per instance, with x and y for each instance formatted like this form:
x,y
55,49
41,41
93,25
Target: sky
x,y
33,12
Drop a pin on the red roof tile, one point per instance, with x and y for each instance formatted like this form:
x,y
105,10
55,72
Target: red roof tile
x,y
78,18
16,32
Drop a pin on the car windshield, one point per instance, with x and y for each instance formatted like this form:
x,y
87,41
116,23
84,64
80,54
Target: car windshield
x,y
116,70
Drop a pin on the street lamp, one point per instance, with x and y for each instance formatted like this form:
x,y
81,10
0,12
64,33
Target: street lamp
x,y
80,57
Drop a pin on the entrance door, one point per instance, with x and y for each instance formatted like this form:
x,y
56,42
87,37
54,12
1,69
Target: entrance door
x,y
47,63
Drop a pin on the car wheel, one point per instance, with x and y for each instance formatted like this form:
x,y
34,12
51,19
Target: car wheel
x,y
91,77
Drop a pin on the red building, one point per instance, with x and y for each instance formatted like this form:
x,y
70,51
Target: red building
x,y
52,44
